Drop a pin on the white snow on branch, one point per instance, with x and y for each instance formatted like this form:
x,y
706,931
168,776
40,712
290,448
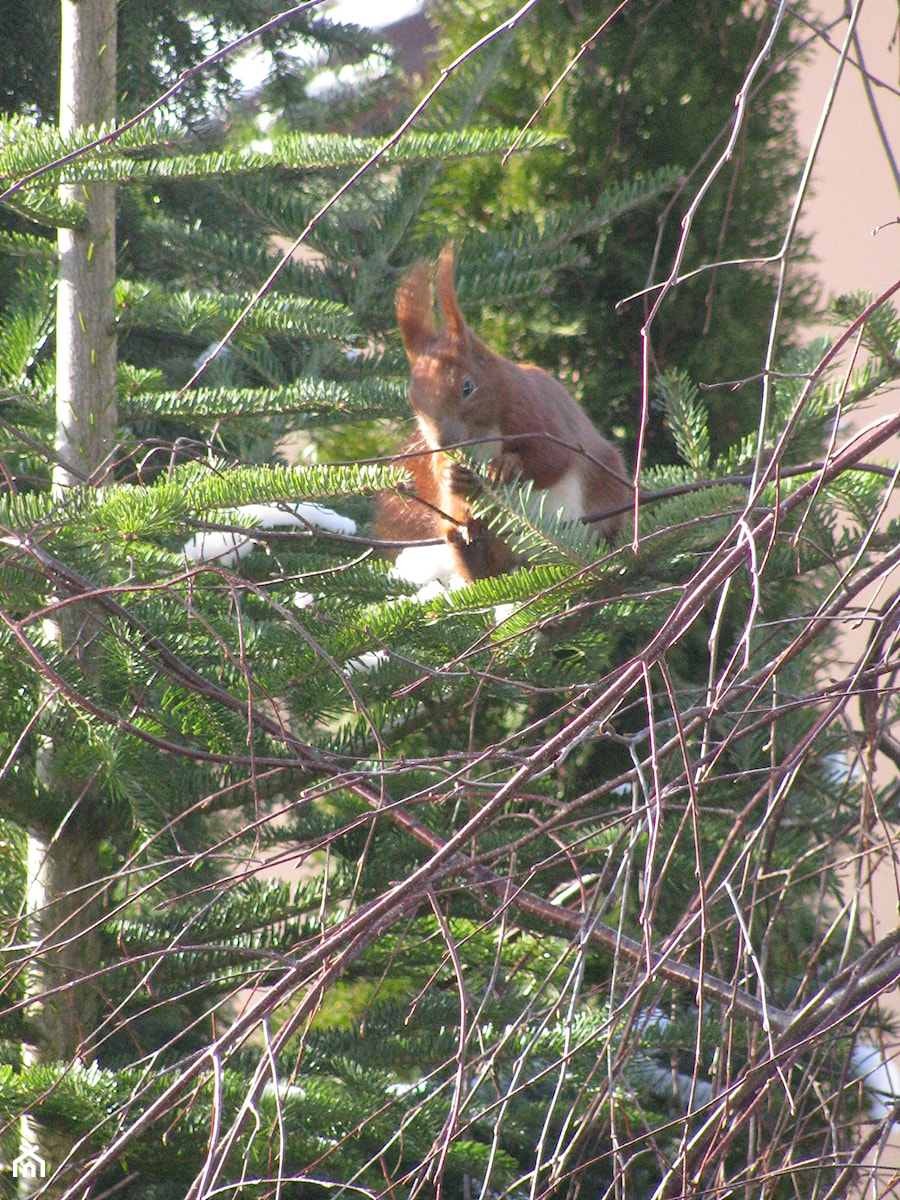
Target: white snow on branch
x,y
421,565
226,547
879,1076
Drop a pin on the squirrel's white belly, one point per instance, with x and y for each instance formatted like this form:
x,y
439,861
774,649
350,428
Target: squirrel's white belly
x,y
566,494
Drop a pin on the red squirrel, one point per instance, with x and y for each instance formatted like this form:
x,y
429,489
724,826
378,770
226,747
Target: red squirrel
x,y
516,418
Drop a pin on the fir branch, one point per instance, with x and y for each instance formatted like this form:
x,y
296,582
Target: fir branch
x,y
516,512
145,305
687,419
305,152
447,858
881,333
27,245
311,397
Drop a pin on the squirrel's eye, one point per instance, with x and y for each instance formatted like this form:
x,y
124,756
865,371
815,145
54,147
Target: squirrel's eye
x,y
468,387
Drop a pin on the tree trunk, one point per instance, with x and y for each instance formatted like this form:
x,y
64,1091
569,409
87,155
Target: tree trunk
x,y
85,332
63,852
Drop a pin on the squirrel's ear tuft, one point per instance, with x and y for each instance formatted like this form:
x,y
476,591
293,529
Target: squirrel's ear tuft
x,y
415,310
446,294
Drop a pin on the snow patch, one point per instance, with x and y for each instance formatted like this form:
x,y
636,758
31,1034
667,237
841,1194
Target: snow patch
x,y
421,565
879,1076
228,548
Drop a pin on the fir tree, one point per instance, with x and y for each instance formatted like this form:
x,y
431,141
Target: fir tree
x,y
556,908
653,89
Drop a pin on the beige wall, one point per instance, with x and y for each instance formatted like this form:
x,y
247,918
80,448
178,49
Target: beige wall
x,y
854,189
855,193
853,212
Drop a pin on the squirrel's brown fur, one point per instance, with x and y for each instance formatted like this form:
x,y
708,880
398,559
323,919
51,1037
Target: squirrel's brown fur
x,y
515,417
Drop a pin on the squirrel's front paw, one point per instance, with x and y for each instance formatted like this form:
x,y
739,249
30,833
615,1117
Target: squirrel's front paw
x,y
506,468
460,481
